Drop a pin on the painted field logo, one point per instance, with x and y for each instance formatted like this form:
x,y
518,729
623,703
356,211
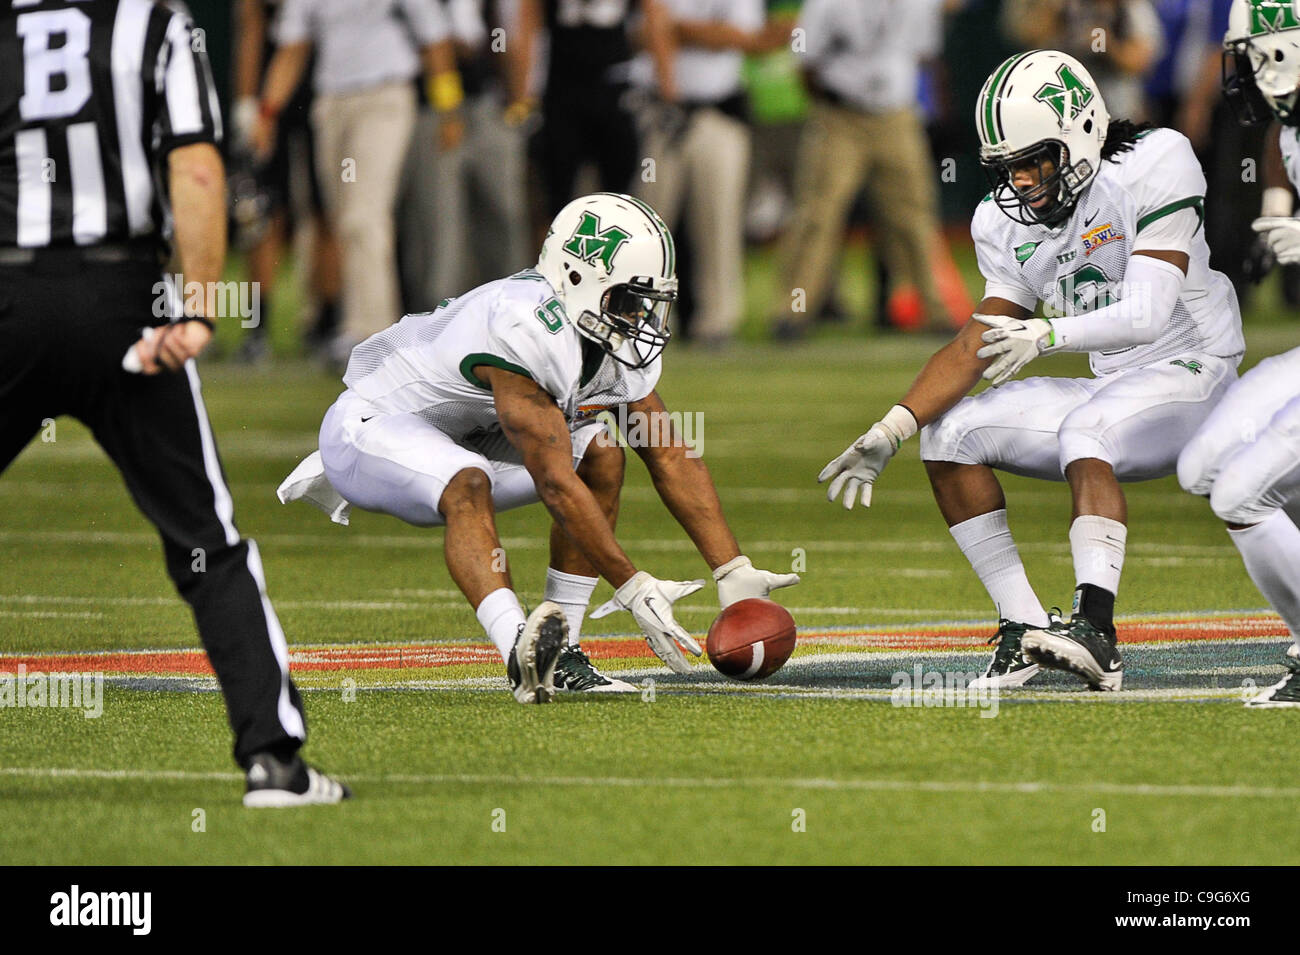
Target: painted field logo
x,y
1193,366
74,907
590,242
1025,252
1094,239
925,689
1070,87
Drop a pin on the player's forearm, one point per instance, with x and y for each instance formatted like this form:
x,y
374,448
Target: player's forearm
x,y
443,81
685,486
576,511
947,377
283,76
1149,295
198,200
251,29
519,49
712,35
659,41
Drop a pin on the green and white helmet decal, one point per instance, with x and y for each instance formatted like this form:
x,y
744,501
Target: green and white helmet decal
x,y
1264,40
1041,103
612,263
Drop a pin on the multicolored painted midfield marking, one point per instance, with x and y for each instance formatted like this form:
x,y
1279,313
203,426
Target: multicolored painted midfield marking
x,y
1173,654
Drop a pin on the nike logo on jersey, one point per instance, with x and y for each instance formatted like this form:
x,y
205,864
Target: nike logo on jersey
x,y
1088,221
364,420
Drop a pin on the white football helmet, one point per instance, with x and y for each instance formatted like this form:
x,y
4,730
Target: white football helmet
x,y
1041,107
1261,59
612,263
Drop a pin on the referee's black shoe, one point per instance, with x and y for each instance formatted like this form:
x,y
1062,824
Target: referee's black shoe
x,y
273,783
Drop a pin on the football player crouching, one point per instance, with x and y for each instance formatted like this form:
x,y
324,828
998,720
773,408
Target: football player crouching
x,y
453,415
1102,222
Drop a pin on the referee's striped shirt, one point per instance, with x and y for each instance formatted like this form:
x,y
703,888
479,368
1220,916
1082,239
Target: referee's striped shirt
x,y
93,95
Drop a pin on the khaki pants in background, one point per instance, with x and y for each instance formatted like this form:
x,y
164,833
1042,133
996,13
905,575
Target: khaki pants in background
x,y
706,169
462,216
840,152
372,128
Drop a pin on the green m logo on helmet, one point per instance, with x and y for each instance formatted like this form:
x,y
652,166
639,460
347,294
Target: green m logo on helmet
x,y
589,242
1071,89
1269,16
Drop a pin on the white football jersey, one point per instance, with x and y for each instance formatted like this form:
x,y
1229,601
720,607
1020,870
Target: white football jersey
x,y
1290,143
424,364
1151,197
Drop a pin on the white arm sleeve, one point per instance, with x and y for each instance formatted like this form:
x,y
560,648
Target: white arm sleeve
x,y
1148,295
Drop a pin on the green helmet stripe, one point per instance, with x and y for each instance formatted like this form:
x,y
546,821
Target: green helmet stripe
x,y
994,134
666,237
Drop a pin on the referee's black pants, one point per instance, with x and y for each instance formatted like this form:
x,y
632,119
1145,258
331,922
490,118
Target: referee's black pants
x,y
66,320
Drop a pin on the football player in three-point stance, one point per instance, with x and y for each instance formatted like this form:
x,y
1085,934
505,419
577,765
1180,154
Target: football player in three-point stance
x,y
486,404
1245,458
1100,221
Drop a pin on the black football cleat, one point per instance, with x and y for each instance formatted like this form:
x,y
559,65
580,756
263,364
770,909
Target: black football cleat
x,y
272,783
1077,647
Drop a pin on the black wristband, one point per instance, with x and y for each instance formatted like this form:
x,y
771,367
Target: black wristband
x,y
206,322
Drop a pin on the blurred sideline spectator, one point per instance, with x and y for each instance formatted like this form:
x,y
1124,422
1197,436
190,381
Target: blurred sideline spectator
x,y
861,62
1186,25
287,191
701,149
463,216
366,61
586,113
1119,41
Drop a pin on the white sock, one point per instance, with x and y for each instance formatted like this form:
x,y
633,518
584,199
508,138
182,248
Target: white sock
x,y
1271,552
573,593
1097,544
501,616
986,542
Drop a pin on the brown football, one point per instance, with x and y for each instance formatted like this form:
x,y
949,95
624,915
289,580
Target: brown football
x,y
751,639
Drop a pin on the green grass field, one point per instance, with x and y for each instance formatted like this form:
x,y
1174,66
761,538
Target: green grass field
x,y
699,770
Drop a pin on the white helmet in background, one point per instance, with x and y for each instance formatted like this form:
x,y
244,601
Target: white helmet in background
x,y
612,263
1262,47
1042,106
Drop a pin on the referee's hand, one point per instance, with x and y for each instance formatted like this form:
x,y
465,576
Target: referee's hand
x,y
172,346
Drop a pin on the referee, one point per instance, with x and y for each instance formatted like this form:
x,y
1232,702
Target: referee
x,y
108,156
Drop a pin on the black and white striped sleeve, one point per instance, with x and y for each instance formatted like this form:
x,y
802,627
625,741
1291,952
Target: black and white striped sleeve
x,y
188,111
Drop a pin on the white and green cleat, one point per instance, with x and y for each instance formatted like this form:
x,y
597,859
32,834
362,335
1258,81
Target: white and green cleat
x,y
575,673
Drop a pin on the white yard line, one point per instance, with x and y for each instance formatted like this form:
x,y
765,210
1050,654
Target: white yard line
x,y
701,782
867,545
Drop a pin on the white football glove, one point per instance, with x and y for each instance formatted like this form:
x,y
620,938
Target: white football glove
x,y
738,579
1282,233
651,603
860,465
1012,343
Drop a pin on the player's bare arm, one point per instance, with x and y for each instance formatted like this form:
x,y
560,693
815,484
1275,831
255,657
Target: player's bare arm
x,y
198,198
282,77
445,91
944,380
659,39
684,484
519,62
533,423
